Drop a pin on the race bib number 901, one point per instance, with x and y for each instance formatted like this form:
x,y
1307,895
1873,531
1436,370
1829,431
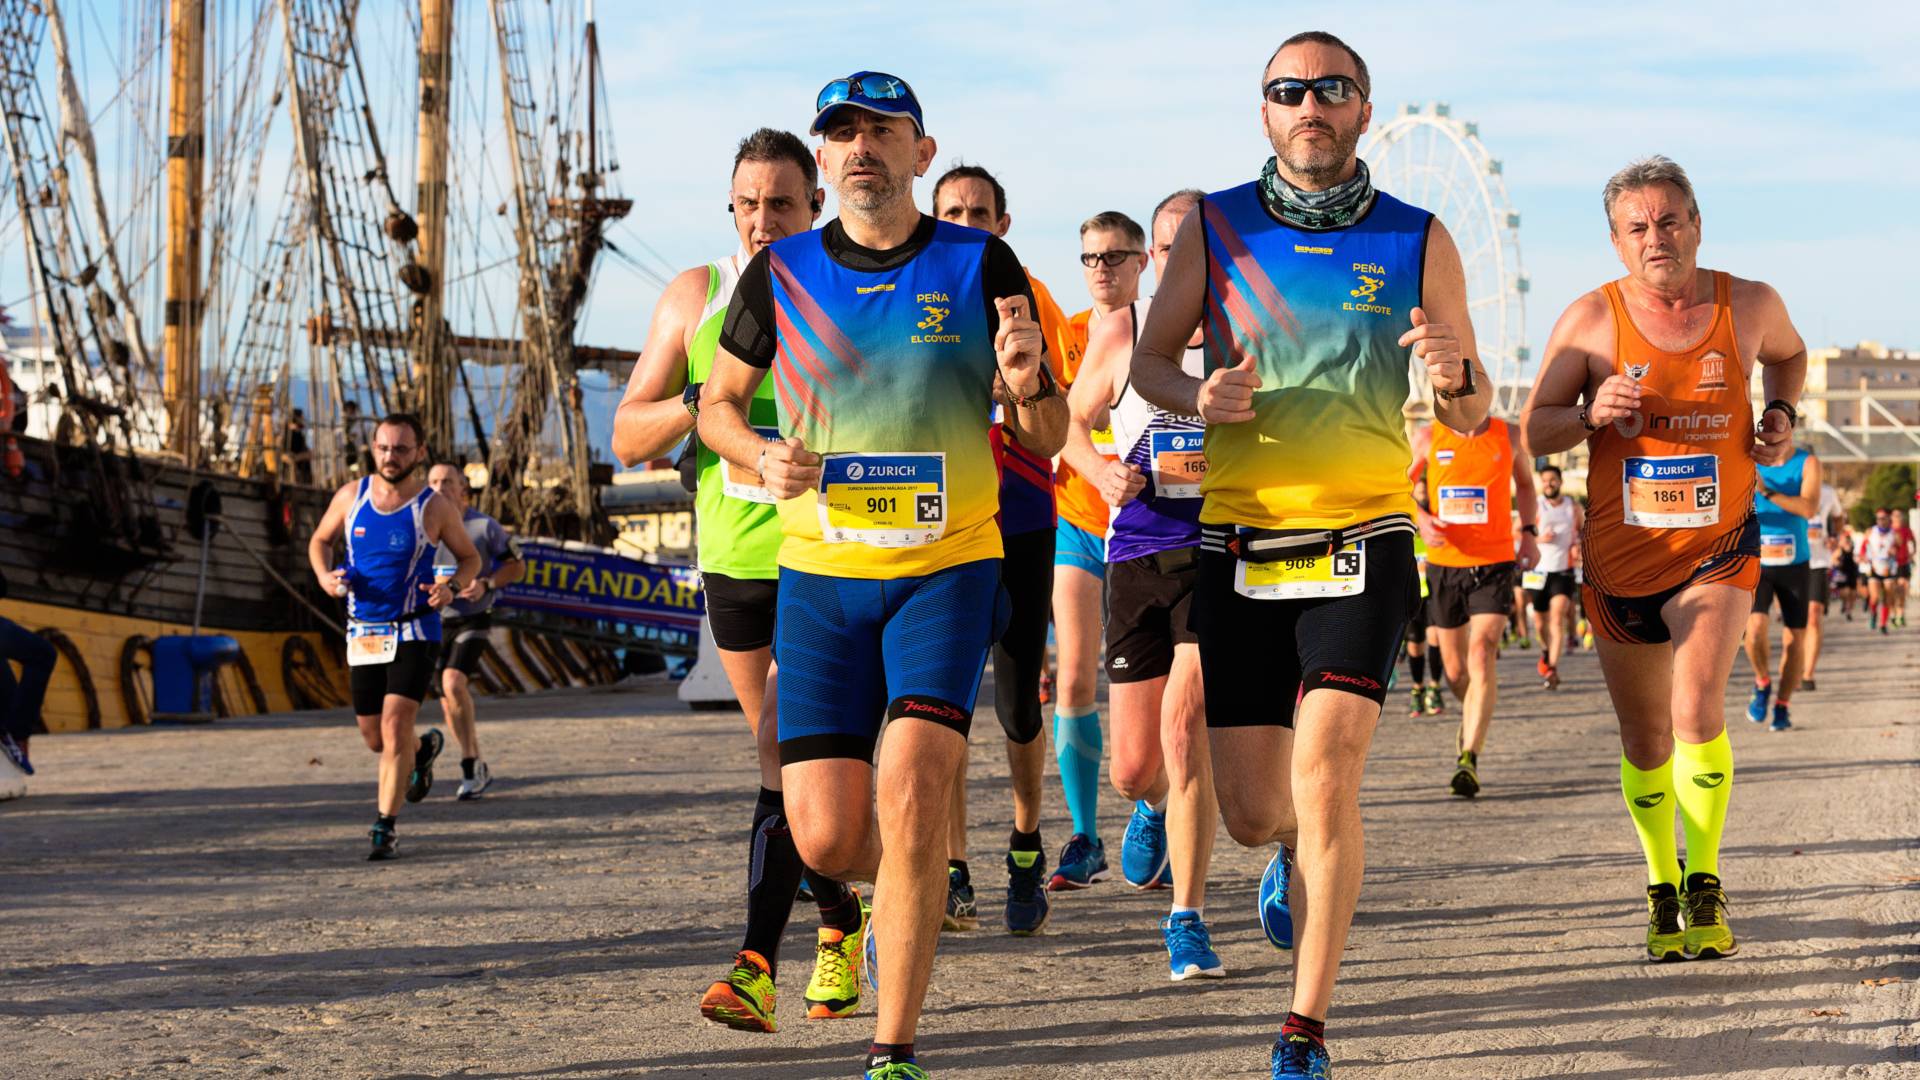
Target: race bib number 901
x,y
1671,492
883,500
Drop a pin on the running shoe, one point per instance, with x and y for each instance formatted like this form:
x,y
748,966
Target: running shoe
x,y
1542,666
386,843
1143,851
962,913
898,1070
1526,642
1807,684
1296,1056
1435,706
1781,720
421,781
1552,680
1027,902
1665,941
1757,704
804,894
472,787
834,990
16,753
744,999
1276,914
1418,706
1083,862
1466,775
1190,952
870,953
1708,937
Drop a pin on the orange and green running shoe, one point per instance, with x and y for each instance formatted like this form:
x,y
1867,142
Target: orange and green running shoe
x,y
835,988
744,999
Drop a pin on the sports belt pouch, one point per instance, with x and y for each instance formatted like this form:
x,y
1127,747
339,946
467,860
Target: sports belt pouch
x,y
1267,545
1175,561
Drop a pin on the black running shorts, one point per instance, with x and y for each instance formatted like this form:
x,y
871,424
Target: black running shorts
x,y
463,642
1820,582
1792,585
1257,656
1457,593
407,675
1559,583
1148,613
740,611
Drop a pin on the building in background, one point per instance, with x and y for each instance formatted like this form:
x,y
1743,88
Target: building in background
x,y
1867,368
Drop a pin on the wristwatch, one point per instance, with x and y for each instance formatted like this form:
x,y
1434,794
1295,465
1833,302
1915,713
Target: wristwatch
x,y
1466,384
1048,388
1793,415
690,397
1530,530
1583,421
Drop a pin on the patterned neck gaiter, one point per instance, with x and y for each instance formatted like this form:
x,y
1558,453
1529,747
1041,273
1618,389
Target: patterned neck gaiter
x,y
1334,208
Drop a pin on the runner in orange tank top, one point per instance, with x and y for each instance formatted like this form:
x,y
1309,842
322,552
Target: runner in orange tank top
x,y
1653,372
1474,482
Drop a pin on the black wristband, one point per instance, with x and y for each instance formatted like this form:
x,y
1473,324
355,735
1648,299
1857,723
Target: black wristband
x,y
1793,415
1466,383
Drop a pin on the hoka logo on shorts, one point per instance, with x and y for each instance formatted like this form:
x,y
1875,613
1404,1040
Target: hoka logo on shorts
x,y
1648,802
1709,779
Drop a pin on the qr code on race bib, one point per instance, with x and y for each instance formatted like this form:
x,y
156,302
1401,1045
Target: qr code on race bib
x,y
1706,496
1346,564
927,509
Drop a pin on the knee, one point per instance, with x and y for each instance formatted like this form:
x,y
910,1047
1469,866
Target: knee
x,y
834,853
396,732
1481,653
453,683
1074,687
1133,779
1257,826
371,736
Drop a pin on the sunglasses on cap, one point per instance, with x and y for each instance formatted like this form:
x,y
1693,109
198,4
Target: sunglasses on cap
x,y
875,91
1332,90
1091,259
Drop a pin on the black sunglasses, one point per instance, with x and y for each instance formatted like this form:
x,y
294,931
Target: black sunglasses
x,y
1332,90
1091,259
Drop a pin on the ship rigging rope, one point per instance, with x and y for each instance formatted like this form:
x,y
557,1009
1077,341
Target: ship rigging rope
x,y
275,575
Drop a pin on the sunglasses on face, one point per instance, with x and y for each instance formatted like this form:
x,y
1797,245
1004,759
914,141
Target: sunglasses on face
x,y
1332,90
871,87
1091,259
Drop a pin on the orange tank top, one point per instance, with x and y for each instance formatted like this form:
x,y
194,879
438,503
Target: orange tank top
x,y
1671,486
1470,488
1078,499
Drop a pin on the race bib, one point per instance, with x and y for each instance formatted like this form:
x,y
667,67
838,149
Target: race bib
x,y
1671,492
883,500
372,643
1533,580
738,483
1179,462
1776,549
1463,505
1304,577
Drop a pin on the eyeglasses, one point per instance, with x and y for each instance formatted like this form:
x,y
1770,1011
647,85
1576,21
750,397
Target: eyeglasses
x,y
1091,259
873,87
1332,90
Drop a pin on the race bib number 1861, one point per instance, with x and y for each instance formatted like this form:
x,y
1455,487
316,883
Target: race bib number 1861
x,y
1671,492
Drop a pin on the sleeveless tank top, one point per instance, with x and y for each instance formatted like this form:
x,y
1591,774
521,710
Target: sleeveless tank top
x,y
1470,487
889,375
1321,314
1556,522
1783,534
1079,501
1170,450
737,525
388,559
1672,485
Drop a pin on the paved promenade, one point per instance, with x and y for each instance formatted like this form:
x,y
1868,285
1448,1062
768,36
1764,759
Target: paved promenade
x,y
193,903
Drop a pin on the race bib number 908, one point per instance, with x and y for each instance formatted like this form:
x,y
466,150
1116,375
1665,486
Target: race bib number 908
x,y
1680,492
883,500
1304,577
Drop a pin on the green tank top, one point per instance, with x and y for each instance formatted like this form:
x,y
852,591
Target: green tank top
x,y
736,521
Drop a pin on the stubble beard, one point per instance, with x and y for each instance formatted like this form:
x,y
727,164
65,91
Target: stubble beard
x,y
1321,168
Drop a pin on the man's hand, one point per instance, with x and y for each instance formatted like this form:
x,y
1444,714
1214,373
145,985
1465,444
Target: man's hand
x,y
1120,483
1018,346
438,594
475,589
1773,442
334,582
1436,345
1528,556
1617,399
789,468
1433,530
1227,395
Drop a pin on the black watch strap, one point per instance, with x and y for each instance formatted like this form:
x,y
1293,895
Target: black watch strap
x,y
1466,385
1793,414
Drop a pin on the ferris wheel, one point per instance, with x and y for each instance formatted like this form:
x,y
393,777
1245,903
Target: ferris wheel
x,y
1433,161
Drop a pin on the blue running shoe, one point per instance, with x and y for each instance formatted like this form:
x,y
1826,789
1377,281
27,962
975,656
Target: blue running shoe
x,y
1781,721
1189,948
1082,863
1143,852
870,957
1276,915
1027,903
1757,704
1298,1056
18,755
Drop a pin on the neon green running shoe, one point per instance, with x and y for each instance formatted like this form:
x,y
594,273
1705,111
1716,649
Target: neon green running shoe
x,y
1708,937
744,999
898,1070
834,991
1665,941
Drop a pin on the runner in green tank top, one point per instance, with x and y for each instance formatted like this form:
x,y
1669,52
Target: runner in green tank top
x,y
775,193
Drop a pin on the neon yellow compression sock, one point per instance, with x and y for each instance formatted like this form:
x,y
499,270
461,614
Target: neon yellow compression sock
x,y
1651,804
1703,785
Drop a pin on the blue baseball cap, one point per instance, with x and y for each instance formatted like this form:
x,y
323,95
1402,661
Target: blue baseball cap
x,y
874,91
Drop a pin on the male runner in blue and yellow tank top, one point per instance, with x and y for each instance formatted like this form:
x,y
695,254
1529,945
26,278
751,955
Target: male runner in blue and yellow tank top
x,y
1310,285
888,336
774,194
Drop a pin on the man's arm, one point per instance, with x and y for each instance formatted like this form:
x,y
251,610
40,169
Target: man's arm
x,y
1109,351
1020,349
1432,529
1527,555
1550,420
1442,335
1806,502
1782,356
1179,303
320,547
443,526
651,417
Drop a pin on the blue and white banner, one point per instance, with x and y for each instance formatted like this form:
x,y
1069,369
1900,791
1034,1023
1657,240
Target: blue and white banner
x,y
596,584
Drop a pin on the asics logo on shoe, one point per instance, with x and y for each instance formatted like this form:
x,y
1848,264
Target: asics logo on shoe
x,y
1648,802
1709,779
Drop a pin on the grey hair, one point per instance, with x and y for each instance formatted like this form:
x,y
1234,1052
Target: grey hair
x,y
1115,221
1190,195
1644,173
